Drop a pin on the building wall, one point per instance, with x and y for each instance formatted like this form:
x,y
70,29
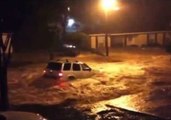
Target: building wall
x,y
117,41
160,38
137,40
93,41
168,36
109,41
99,41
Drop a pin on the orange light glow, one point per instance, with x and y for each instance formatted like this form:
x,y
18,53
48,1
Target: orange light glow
x,y
108,5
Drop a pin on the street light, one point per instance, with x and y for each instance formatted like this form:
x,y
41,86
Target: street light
x,y
70,22
107,6
69,9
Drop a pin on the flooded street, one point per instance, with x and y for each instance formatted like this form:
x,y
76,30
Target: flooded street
x,y
150,80
138,82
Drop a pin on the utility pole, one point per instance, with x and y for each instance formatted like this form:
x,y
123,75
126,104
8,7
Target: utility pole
x,y
108,6
106,34
5,54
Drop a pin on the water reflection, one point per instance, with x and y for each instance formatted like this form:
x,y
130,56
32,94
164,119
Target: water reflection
x,y
126,102
139,103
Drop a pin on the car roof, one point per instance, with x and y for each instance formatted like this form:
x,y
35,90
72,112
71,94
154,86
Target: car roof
x,y
65,61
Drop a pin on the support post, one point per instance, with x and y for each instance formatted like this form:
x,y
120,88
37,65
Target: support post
x,y
106,44
5,54
106,34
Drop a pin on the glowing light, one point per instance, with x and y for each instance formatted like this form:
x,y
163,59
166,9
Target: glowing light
x,y
110,5
60,74
116,8
71,22
69,46
69,9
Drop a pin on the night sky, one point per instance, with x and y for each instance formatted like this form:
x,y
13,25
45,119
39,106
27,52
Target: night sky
x,y
135,15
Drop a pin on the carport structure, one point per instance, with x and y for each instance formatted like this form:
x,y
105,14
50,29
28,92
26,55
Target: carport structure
x,y
139,39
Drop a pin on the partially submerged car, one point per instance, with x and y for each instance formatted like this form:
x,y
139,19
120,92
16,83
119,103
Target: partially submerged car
x,y
67,70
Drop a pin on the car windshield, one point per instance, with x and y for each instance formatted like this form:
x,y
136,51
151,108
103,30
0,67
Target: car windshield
x,y
86,59
85,67
54,66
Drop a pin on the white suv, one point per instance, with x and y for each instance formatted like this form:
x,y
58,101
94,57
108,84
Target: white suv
x,y
67,70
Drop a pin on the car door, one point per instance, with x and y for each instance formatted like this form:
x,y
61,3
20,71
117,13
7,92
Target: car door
x,y
77,70
86,70
67,70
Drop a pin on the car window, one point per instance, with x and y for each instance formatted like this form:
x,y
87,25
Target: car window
x,y
67,66
76,67
85,67
54,66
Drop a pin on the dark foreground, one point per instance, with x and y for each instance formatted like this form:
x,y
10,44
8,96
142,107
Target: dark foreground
x,y
65,112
